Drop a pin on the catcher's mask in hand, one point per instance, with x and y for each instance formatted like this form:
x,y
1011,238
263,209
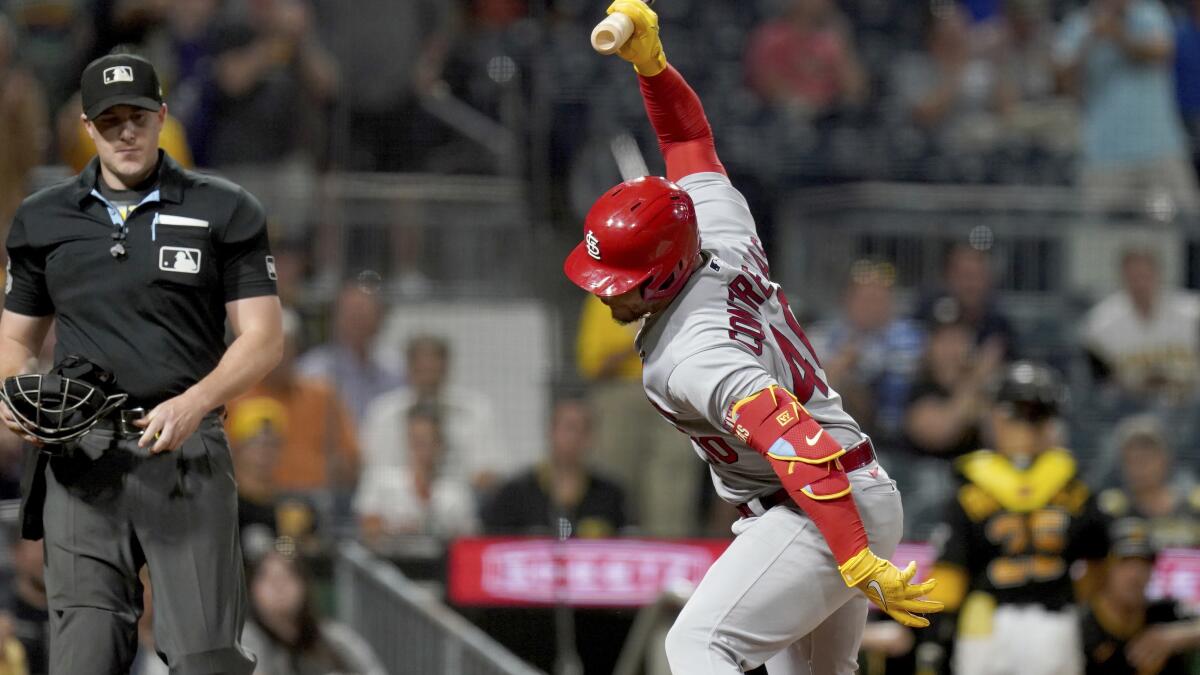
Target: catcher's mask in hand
x,y
64,404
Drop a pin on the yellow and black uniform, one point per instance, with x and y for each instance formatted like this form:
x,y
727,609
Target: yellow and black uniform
x,y
1010,536
1180,528
1013,533
1106,635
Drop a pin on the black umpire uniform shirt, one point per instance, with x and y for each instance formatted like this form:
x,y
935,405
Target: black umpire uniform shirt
x,y
155,315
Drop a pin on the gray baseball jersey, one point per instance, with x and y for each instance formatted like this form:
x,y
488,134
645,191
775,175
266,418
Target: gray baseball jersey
x,y
728,334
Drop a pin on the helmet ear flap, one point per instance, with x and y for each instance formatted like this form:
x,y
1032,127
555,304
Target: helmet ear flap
x,y
655,290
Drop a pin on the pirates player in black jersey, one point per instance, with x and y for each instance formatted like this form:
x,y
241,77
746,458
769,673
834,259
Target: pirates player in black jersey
x,y
1124,633
1149,489
1021,516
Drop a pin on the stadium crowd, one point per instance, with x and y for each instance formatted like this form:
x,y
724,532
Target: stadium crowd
x,y
386,441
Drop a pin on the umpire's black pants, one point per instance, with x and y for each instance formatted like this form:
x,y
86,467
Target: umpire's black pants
x,y
109,509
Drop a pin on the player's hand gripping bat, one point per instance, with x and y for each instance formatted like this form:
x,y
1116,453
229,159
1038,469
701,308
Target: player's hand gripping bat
x,y
631,31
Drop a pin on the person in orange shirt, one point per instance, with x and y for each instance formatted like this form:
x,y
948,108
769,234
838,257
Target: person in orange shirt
x,y
320,448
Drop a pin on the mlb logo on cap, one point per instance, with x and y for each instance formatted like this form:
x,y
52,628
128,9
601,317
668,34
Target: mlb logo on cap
x,y
119,79
118,74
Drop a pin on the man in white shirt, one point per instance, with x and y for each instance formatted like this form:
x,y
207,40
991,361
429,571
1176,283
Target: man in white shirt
x,y
1144,338
473,450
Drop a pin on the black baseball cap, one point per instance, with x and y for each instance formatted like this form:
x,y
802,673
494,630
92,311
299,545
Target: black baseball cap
x,y
119,79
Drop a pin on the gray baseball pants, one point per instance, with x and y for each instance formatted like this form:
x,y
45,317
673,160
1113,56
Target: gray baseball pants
x,y
110,509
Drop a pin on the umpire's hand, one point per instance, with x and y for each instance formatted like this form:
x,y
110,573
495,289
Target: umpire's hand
x,y
6,416
171,422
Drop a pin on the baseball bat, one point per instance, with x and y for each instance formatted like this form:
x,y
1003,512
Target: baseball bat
x,y
613,32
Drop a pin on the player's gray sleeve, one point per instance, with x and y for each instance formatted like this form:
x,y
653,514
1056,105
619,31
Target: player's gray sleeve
x,y
711,381
721,211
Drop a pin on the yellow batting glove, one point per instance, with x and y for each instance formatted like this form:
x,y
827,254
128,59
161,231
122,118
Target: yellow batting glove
x,y
887,586
644,50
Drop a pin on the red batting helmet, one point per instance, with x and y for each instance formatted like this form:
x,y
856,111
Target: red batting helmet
x,y
642,231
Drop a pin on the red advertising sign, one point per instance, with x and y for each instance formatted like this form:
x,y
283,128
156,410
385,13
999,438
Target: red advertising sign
x,y
510,572
577,572
1177,575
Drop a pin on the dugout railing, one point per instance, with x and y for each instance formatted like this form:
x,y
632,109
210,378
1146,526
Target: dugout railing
x,y
408,627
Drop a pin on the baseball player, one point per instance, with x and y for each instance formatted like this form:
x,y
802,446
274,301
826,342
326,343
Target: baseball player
x,y
727,363
1020,518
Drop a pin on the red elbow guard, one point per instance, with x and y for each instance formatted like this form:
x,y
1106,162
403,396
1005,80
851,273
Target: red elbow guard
x,y
805,457
775,424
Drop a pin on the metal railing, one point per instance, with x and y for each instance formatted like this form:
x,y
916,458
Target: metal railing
x,y
410,630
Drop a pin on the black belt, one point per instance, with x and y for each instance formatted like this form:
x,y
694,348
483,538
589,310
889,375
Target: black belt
x,y
120,422
855,458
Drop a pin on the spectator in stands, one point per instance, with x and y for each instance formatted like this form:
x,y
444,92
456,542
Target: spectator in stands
x,y
1116,55
1154,487
805,60
1187,72
12,654
1023,51
28,611
285,631
632,441
320,449
1145,339
391,53
182,50
968,297
561,495
869,354
472,448
950,92
125,22
271,68
256,435
347,361
54,36
951,392
1122,631
23,126
419,497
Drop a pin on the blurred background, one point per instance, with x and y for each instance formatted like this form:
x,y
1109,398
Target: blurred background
x,y
942,187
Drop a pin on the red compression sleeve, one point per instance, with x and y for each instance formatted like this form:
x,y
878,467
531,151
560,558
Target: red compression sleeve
x,y
678,118
837,520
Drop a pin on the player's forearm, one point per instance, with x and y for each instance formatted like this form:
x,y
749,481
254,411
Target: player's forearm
x,y
247,360
684,135
837,520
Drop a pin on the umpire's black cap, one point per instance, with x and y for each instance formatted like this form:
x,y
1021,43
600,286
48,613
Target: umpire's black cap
x,y
1031,391
119,79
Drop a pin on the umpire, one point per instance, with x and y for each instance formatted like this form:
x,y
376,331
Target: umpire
x,y
139,263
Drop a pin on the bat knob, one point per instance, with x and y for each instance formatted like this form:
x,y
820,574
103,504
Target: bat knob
x,y
612,33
